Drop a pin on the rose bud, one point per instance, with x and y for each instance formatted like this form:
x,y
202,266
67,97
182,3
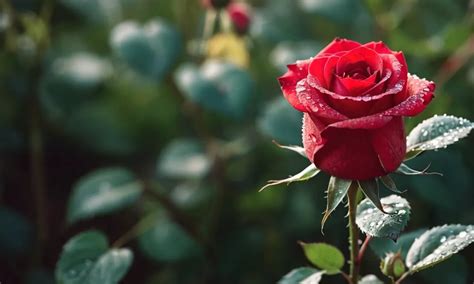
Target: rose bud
x,y
240,16
215,4
392,265
354,97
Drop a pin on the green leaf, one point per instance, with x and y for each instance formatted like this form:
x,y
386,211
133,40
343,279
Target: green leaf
x,y
382,246
298,149
69,82
167,241
390,184
218,86
340,11
375,223
100,127
337,189
111,267
96,11
302,275
324,256
370,188
150,50
438,132
281,121
86,258
438,244
306,174
286,52
370,279
184,158
102,192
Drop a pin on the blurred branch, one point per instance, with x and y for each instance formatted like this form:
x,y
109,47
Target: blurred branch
x,y
138,229
152,188
455,62
36,135
194,114
10,33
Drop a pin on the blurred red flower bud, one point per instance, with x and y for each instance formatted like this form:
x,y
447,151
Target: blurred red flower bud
x,y
240,16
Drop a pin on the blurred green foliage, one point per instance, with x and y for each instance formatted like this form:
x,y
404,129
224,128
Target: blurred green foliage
x,y
94,84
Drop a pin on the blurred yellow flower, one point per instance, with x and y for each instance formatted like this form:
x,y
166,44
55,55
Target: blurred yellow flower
x,y
230,47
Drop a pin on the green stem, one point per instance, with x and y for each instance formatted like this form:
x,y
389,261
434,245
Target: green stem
x,y
353,233
137,230
37,169
405,275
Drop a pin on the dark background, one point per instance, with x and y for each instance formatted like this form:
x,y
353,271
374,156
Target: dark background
x,y
100,111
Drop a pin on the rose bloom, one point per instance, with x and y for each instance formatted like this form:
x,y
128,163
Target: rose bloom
x,y
354,97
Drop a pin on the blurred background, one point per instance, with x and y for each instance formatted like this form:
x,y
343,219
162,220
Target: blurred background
x,y
152,121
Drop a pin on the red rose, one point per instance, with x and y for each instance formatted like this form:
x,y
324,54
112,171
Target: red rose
x,y
354,97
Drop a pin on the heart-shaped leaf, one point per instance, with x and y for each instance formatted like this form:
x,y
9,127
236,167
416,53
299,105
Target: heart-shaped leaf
x,y
86,258
286,52
437,245
337,189
69,82
327,257
378,224
218,86
184,158
308,173
302,275
150,50
101,192
370,279
341,11
438,132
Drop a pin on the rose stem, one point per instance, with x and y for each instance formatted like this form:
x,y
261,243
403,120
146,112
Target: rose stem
x,y
353,232
363,248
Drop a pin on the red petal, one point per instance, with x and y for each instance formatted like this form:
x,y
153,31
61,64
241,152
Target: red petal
x,y
368,122
379,47
390,144
314,102
348,154
380,86
316,69
312,140
420,94
288,82
353,87
330,71
339,44
357,106
359,56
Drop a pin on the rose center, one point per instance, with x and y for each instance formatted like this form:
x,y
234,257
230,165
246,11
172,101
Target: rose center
x,y
359,71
